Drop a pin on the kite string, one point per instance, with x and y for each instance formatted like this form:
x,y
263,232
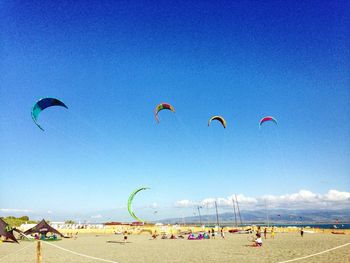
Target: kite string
x,y
188,133
282,154
80,254
15,252
81,143
312,255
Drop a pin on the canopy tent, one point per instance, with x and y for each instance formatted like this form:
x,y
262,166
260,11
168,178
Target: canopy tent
x,y
42,228
6,231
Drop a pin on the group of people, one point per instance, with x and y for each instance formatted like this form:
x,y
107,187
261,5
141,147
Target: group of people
x,y
211,234
258,240
205,235
42,236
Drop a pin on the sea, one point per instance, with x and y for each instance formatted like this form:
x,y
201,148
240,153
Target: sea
x,y
299,225
321,226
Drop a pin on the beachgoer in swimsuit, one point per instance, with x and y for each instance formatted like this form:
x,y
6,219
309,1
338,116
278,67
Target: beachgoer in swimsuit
x,y
125,236
273,233
222,233
258,240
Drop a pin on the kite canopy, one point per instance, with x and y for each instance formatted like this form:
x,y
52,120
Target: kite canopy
x,y
42,104
218,118
162,106
267,118
7,231
131,198
42,228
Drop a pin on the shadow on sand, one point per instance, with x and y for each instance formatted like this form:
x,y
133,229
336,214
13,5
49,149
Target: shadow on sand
x,y
118,242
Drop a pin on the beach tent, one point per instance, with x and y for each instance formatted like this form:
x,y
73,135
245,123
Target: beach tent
x,y
42,228
6,231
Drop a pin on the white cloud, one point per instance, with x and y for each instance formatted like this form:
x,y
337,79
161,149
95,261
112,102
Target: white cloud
x,y
154,205
305,199
302,199
96,216
242,199
184,203
228,201
208,202
15,210
334,195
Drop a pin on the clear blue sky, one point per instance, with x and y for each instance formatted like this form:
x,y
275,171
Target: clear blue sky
x,y
114,61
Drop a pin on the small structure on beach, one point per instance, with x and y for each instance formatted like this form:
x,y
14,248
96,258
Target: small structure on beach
x,y
42,228
7,231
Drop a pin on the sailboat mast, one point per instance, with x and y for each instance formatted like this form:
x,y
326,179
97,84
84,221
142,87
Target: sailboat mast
x,y
239,212
234,211
217,215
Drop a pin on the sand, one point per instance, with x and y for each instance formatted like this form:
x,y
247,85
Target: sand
x,y
234,248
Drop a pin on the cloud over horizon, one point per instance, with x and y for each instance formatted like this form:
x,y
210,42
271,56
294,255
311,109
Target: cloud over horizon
x,y
15,210
303,199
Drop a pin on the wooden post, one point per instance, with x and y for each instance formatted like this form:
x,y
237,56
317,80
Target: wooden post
x,y
39,258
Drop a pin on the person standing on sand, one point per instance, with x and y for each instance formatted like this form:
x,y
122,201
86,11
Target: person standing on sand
x,y
222,233
213,233
258,231
125,236
301,232
154,235
273,232
265,232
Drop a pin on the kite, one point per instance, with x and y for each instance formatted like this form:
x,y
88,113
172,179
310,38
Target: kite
x,y
131,198
218,118
41,105
162,106
7,231
267,118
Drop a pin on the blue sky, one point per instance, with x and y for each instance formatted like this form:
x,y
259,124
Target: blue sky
x,y
114,61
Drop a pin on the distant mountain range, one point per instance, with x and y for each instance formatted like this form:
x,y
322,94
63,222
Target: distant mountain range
x,y
259,216
275,216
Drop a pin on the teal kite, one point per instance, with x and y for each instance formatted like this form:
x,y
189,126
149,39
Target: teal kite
x,y
41,105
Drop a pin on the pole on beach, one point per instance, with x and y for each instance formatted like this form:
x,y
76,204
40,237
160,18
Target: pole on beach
x,y
200,217
239,212
234,211
267,215
217,215
39,257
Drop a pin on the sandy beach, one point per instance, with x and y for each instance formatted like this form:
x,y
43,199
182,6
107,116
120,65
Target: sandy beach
x,y
139,248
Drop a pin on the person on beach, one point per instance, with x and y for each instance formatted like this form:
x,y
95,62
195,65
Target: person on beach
x,y
154,235
213,233
258,240
125,236
265,233
258,231
222,233
273,232
301,232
